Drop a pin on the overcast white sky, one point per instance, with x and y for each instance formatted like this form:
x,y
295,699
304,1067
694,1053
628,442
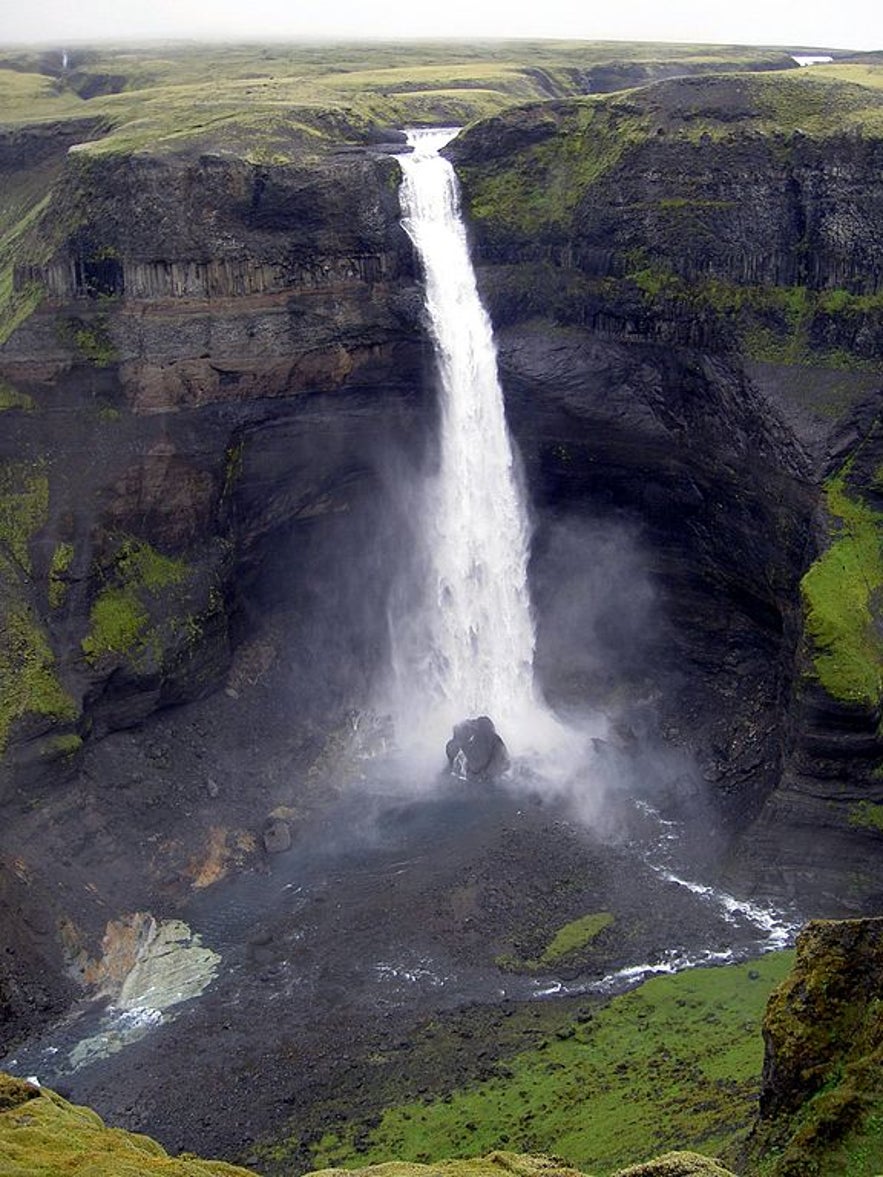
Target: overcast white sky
x,y
854,24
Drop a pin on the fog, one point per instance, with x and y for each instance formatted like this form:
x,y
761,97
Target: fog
x,y
773,22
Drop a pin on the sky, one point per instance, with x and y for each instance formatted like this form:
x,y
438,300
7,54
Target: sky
x,y
853,24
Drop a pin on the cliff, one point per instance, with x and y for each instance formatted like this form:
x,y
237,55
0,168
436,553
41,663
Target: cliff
x,y
214,394
821,1094
693,269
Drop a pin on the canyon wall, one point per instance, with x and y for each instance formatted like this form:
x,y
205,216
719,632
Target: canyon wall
x,y
687,280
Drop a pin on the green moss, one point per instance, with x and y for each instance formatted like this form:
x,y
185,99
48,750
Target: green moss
x,y
866,815
532,194
575,935
24,507
118,623
58,567
120,618
14,1092
28,682
21,239
65,745
91,340
47,1137
11,398
824,1026
674,1063
838,592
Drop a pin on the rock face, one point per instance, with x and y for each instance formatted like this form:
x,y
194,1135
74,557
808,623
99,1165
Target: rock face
x,y
823,1042
212,418
233,348
685,280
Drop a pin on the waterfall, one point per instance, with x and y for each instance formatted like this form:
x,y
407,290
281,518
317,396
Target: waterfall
x,y
467,648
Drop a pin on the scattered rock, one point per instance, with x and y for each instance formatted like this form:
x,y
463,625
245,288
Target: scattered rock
x,y
277,836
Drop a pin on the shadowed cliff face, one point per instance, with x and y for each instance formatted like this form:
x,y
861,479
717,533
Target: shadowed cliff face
x,y
685,281
226,351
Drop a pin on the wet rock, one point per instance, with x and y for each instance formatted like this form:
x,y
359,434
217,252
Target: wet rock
x,y
277,836
476,750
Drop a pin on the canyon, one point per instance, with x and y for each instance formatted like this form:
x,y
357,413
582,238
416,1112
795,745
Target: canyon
x,y
217,399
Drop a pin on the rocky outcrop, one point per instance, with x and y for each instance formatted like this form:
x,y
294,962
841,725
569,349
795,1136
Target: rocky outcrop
x,y
823,1041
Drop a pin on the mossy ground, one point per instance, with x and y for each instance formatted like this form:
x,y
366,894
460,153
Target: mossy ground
x,y
839,592
42,1135
281,100
675,1063
566,944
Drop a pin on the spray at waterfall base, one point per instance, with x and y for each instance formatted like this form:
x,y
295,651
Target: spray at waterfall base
x,y
462,630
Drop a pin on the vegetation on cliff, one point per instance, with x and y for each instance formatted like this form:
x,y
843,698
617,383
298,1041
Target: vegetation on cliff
x,y
822,1100
29,683
533,168
690,211
839,592
129,613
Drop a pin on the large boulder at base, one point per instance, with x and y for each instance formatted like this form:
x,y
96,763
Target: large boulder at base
x,y
476,750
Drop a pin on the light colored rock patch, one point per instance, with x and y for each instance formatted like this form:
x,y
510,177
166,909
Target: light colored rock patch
x,y
172,966
147,968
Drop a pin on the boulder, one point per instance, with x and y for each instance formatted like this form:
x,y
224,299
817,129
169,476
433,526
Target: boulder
x,y
476,750
277,836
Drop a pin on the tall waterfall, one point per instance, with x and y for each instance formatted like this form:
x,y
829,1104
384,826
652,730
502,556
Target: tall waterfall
x,y
468,649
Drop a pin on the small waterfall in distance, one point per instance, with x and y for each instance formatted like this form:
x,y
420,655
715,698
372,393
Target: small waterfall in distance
x,y
467,648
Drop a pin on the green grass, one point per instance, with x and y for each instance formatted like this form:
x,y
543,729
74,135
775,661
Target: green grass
x,y
674,1063
838,593
575,935
175,95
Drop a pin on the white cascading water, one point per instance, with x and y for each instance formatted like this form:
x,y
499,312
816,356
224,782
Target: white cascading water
x,y
470,650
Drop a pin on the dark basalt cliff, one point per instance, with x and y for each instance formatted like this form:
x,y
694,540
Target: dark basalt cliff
x,y
686,280
221,350
210,414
